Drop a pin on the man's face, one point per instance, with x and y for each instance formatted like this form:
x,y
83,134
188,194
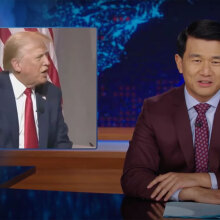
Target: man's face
x,y
32,67
200,67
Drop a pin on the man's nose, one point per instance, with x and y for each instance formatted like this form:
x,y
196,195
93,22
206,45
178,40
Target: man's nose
x,y
206,69
46,60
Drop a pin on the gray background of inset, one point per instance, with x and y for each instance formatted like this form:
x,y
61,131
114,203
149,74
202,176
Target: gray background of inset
x,y
76,56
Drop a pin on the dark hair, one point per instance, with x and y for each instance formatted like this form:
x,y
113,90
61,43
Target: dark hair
x,y
202,29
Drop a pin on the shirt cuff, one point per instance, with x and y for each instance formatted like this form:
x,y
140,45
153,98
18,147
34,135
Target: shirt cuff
x,y
213,181
175,196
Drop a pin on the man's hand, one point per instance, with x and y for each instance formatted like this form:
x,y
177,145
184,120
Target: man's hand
x,y
170,182
200,194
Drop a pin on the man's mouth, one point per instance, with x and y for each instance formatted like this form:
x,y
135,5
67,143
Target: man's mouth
x,y
45,71
205,83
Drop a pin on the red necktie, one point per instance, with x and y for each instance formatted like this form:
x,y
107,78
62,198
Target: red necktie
x,y
201,138
30,133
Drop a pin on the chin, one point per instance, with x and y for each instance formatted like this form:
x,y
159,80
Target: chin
x,y
44,81
41,82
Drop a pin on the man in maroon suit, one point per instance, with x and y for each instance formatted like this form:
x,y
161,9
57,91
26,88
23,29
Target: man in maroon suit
x,y
175,149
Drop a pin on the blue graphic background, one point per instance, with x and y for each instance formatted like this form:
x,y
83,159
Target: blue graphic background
x,y
136,44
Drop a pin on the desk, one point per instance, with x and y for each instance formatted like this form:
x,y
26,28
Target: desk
x,y
36,204
133,208
68,170
78,172
33,204
46,205
12,175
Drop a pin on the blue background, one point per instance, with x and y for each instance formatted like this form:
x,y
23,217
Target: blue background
x,y
136,44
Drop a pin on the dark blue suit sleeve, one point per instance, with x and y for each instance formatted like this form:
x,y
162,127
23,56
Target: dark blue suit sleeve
x,y
62,139
53,131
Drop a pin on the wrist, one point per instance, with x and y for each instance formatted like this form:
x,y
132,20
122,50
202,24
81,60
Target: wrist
x,y
203,180
186,194
206,180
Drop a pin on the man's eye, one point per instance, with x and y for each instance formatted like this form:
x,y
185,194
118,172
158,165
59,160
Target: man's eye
x,y
216,62
196,61
39,57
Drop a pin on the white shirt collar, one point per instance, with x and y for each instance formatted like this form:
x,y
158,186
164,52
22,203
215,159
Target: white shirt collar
x,y
191,101
18,87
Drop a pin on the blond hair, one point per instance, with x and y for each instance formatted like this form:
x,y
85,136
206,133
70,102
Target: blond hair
x,y
15,43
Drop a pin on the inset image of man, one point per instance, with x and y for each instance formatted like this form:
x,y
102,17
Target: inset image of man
x,y
30,111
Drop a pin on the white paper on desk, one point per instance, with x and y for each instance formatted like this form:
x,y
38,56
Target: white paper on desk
x,y
191,210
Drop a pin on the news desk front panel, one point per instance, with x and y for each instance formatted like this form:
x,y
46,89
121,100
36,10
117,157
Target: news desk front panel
x,y
69,170
80,173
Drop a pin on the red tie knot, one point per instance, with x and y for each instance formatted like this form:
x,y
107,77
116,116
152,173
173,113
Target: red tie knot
x,y
202,108
28,91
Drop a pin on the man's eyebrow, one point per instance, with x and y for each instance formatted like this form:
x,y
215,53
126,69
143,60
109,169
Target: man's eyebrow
x,y
194,55
197,55
216,57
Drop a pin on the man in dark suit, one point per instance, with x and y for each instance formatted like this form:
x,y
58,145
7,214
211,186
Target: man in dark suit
x,y
37,121
166,158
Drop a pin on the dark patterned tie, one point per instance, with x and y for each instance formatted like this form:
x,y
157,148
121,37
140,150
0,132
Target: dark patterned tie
x,y
30,133
201,138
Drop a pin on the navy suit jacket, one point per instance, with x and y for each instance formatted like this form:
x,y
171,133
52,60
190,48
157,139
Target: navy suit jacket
x,y
52,128
162,142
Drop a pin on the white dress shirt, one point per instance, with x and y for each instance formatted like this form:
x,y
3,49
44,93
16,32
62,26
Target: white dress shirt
x,y
20,99
190,103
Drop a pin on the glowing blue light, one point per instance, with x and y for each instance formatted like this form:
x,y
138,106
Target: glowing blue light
x,y
116,22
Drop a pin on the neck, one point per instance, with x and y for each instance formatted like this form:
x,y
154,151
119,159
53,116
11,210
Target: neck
x,y
17,75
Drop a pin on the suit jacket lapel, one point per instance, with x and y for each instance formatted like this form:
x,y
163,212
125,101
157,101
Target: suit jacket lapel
x,y
8,107
183,128
42,120
214,147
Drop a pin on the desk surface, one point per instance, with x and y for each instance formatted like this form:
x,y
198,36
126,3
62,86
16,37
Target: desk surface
x,y
34,204
10,175
132,209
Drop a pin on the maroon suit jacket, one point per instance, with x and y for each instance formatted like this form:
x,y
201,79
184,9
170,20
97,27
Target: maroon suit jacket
x,y
162,142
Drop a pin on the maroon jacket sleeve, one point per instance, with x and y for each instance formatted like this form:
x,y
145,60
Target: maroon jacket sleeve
x,y
142,158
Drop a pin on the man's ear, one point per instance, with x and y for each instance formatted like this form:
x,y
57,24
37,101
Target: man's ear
x,y
16,65
179,63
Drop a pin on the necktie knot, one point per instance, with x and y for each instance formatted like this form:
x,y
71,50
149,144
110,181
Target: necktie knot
x,y
202,108
28,91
